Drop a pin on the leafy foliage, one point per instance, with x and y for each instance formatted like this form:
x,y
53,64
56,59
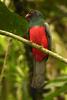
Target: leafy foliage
x,y
12,22
16,65
14,85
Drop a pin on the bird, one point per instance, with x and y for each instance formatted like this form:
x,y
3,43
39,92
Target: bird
x,y
38,33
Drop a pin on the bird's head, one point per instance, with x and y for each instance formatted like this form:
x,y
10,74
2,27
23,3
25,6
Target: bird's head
x,y
33,14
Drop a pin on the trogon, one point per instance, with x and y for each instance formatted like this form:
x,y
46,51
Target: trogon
x,y
39,34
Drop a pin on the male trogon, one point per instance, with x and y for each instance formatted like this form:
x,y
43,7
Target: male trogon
x,y
39,34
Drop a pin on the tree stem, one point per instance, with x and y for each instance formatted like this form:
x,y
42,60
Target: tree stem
x,y
55,55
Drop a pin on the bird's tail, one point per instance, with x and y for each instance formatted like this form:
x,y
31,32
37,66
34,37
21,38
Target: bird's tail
x,y
39,73
38,78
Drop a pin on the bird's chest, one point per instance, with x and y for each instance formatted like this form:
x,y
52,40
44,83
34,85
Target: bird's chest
x,y
38,36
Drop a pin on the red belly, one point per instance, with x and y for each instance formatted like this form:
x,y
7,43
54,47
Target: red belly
x,y
38,36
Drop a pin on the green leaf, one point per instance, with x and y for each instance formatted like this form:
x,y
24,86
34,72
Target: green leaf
x,y
57,82
56,93
12,22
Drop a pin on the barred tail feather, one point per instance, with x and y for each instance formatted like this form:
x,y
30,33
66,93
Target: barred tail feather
x,y
38,77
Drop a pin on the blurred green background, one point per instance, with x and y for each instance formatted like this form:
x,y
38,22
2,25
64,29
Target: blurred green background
x,y
14,58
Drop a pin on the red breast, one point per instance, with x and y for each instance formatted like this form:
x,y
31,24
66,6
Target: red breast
x,y
38,36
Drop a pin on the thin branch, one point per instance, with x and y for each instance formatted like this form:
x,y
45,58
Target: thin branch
x,y
5,60
33,45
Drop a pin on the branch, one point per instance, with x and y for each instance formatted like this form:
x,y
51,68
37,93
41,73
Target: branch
x,y
5,60
34,45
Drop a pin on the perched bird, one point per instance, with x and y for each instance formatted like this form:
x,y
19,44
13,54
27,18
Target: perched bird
x,y
39,34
